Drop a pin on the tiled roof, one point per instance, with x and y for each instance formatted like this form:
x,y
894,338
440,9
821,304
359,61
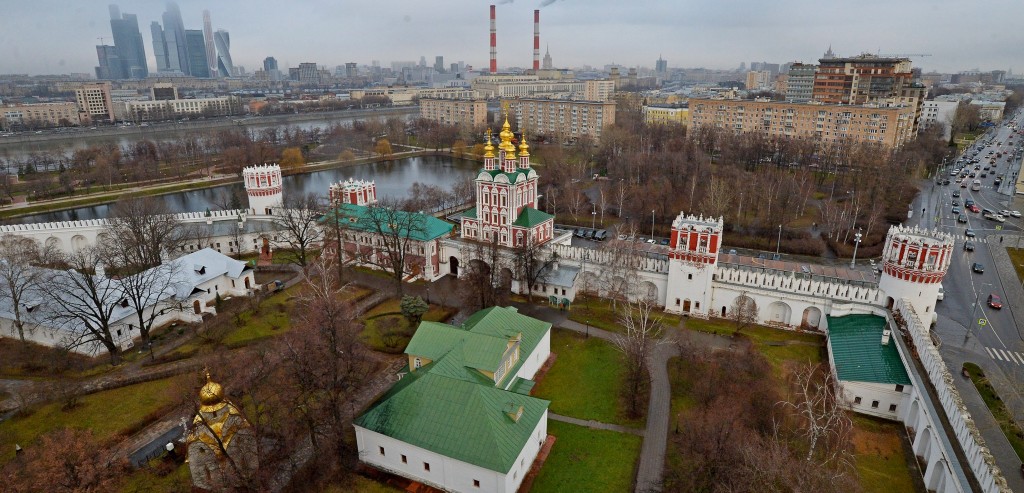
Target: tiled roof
x,y
855,342
362,218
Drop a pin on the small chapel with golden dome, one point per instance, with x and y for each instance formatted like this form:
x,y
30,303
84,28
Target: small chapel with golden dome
x,y
220,445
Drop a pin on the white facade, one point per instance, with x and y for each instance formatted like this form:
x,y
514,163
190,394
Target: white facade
x,y
876,399
938,113
444,472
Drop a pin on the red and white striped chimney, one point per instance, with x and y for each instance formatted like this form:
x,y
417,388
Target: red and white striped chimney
x,y
494,44
536,40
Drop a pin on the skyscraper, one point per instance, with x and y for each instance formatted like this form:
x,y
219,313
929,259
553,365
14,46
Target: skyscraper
x,y
439,64
159,47
198,66
211,52
110,63
128,43
174,38
269,63
661,65
223,43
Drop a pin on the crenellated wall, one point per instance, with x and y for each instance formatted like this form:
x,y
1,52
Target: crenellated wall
x,y
793,283
921,419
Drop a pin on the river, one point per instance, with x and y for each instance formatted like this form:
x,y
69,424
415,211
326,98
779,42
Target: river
x,y
393,180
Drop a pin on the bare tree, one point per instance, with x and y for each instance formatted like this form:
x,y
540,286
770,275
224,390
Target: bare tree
x,y
19,280
486,282
533,263
743,312
298,227
643,334
82,303
64,460
822,421
153,293
399,239
139,231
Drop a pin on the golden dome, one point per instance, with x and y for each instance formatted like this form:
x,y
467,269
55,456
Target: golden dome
x,y
506,132
488,149
211,396
524,149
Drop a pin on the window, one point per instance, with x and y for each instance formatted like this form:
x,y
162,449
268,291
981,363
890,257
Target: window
x,y
476,483
899,388
892,408
426,466
689,277
416,363
874,404
856,400
677,301
405,460
381,450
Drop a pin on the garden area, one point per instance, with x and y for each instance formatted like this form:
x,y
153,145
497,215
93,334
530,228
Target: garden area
x,y
136,406
587,380
388,330
885,461
599,312
583,459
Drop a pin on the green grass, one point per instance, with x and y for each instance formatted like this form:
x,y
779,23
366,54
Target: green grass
x,y
158,480
599,313
106,413
586,380
882,462
1013,431
583,459
360,484
271,320
1017,257
390,311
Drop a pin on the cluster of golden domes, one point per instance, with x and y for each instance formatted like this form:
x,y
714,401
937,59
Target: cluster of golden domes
x,y
506,145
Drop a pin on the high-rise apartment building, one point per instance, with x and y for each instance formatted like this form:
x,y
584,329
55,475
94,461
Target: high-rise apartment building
x,y
546,65
351,69
198,65
861,79
94,102
309,73
269,63
661,65
131,50
222,41
562,119
110,66
439,64
461,112
211,50
890,126
800,84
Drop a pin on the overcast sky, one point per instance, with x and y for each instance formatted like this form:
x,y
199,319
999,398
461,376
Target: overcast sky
x,y
48,36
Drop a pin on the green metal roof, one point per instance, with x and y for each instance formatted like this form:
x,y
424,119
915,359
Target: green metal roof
x,y
457,418
522,386
470,213
369,219
855,342
530,217
512,177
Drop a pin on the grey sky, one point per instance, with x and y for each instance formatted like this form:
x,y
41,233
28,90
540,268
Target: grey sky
x,y
47,36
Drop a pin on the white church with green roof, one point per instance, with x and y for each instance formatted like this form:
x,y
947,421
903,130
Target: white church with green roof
x,y
460,417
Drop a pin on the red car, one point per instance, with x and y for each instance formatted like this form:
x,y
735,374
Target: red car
x,y
994,301
974,208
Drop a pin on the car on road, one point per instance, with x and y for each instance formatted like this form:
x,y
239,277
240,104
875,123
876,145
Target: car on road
x,y
664,241
1015,213
962,218
956,193
978,267
994,301
956,210
1004,212
956,203
974,208
942,294
968,246
999,218
969,233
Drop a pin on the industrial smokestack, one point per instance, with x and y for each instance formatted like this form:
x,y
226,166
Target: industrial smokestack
x,y
494,44
536,40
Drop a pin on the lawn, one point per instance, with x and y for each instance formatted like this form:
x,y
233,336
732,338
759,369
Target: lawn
x,y
598,312
586,380
780,347
271,320
157,480
106,413
583,459
388,315
884,462
1017,257
1011,429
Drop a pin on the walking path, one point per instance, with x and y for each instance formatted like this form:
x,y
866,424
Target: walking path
x,y
651,465
596,425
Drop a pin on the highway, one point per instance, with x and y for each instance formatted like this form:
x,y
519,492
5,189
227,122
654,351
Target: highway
x,y
967,327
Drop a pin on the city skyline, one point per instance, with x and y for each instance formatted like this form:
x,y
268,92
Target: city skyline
x,y
697,35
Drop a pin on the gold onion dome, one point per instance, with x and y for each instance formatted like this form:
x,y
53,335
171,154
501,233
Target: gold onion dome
x,y
524,149
488,148
211,396
506,139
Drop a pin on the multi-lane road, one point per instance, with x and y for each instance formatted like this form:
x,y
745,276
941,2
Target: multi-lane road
x,y
967,327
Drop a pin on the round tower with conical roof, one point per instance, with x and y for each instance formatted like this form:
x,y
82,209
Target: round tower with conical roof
x,y
914,262
264,187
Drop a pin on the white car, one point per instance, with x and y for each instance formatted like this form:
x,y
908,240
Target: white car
x,y
1015,213
1004,213
999,218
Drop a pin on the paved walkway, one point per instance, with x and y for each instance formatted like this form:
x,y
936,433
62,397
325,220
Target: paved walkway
x,y
651,466
596,425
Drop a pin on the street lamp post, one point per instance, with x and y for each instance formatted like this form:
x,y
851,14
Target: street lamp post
x,y
588,328
778,243
593,218
856,243
974,313
652,224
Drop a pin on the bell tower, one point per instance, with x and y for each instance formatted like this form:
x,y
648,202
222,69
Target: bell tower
x,y
914,261
693,255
